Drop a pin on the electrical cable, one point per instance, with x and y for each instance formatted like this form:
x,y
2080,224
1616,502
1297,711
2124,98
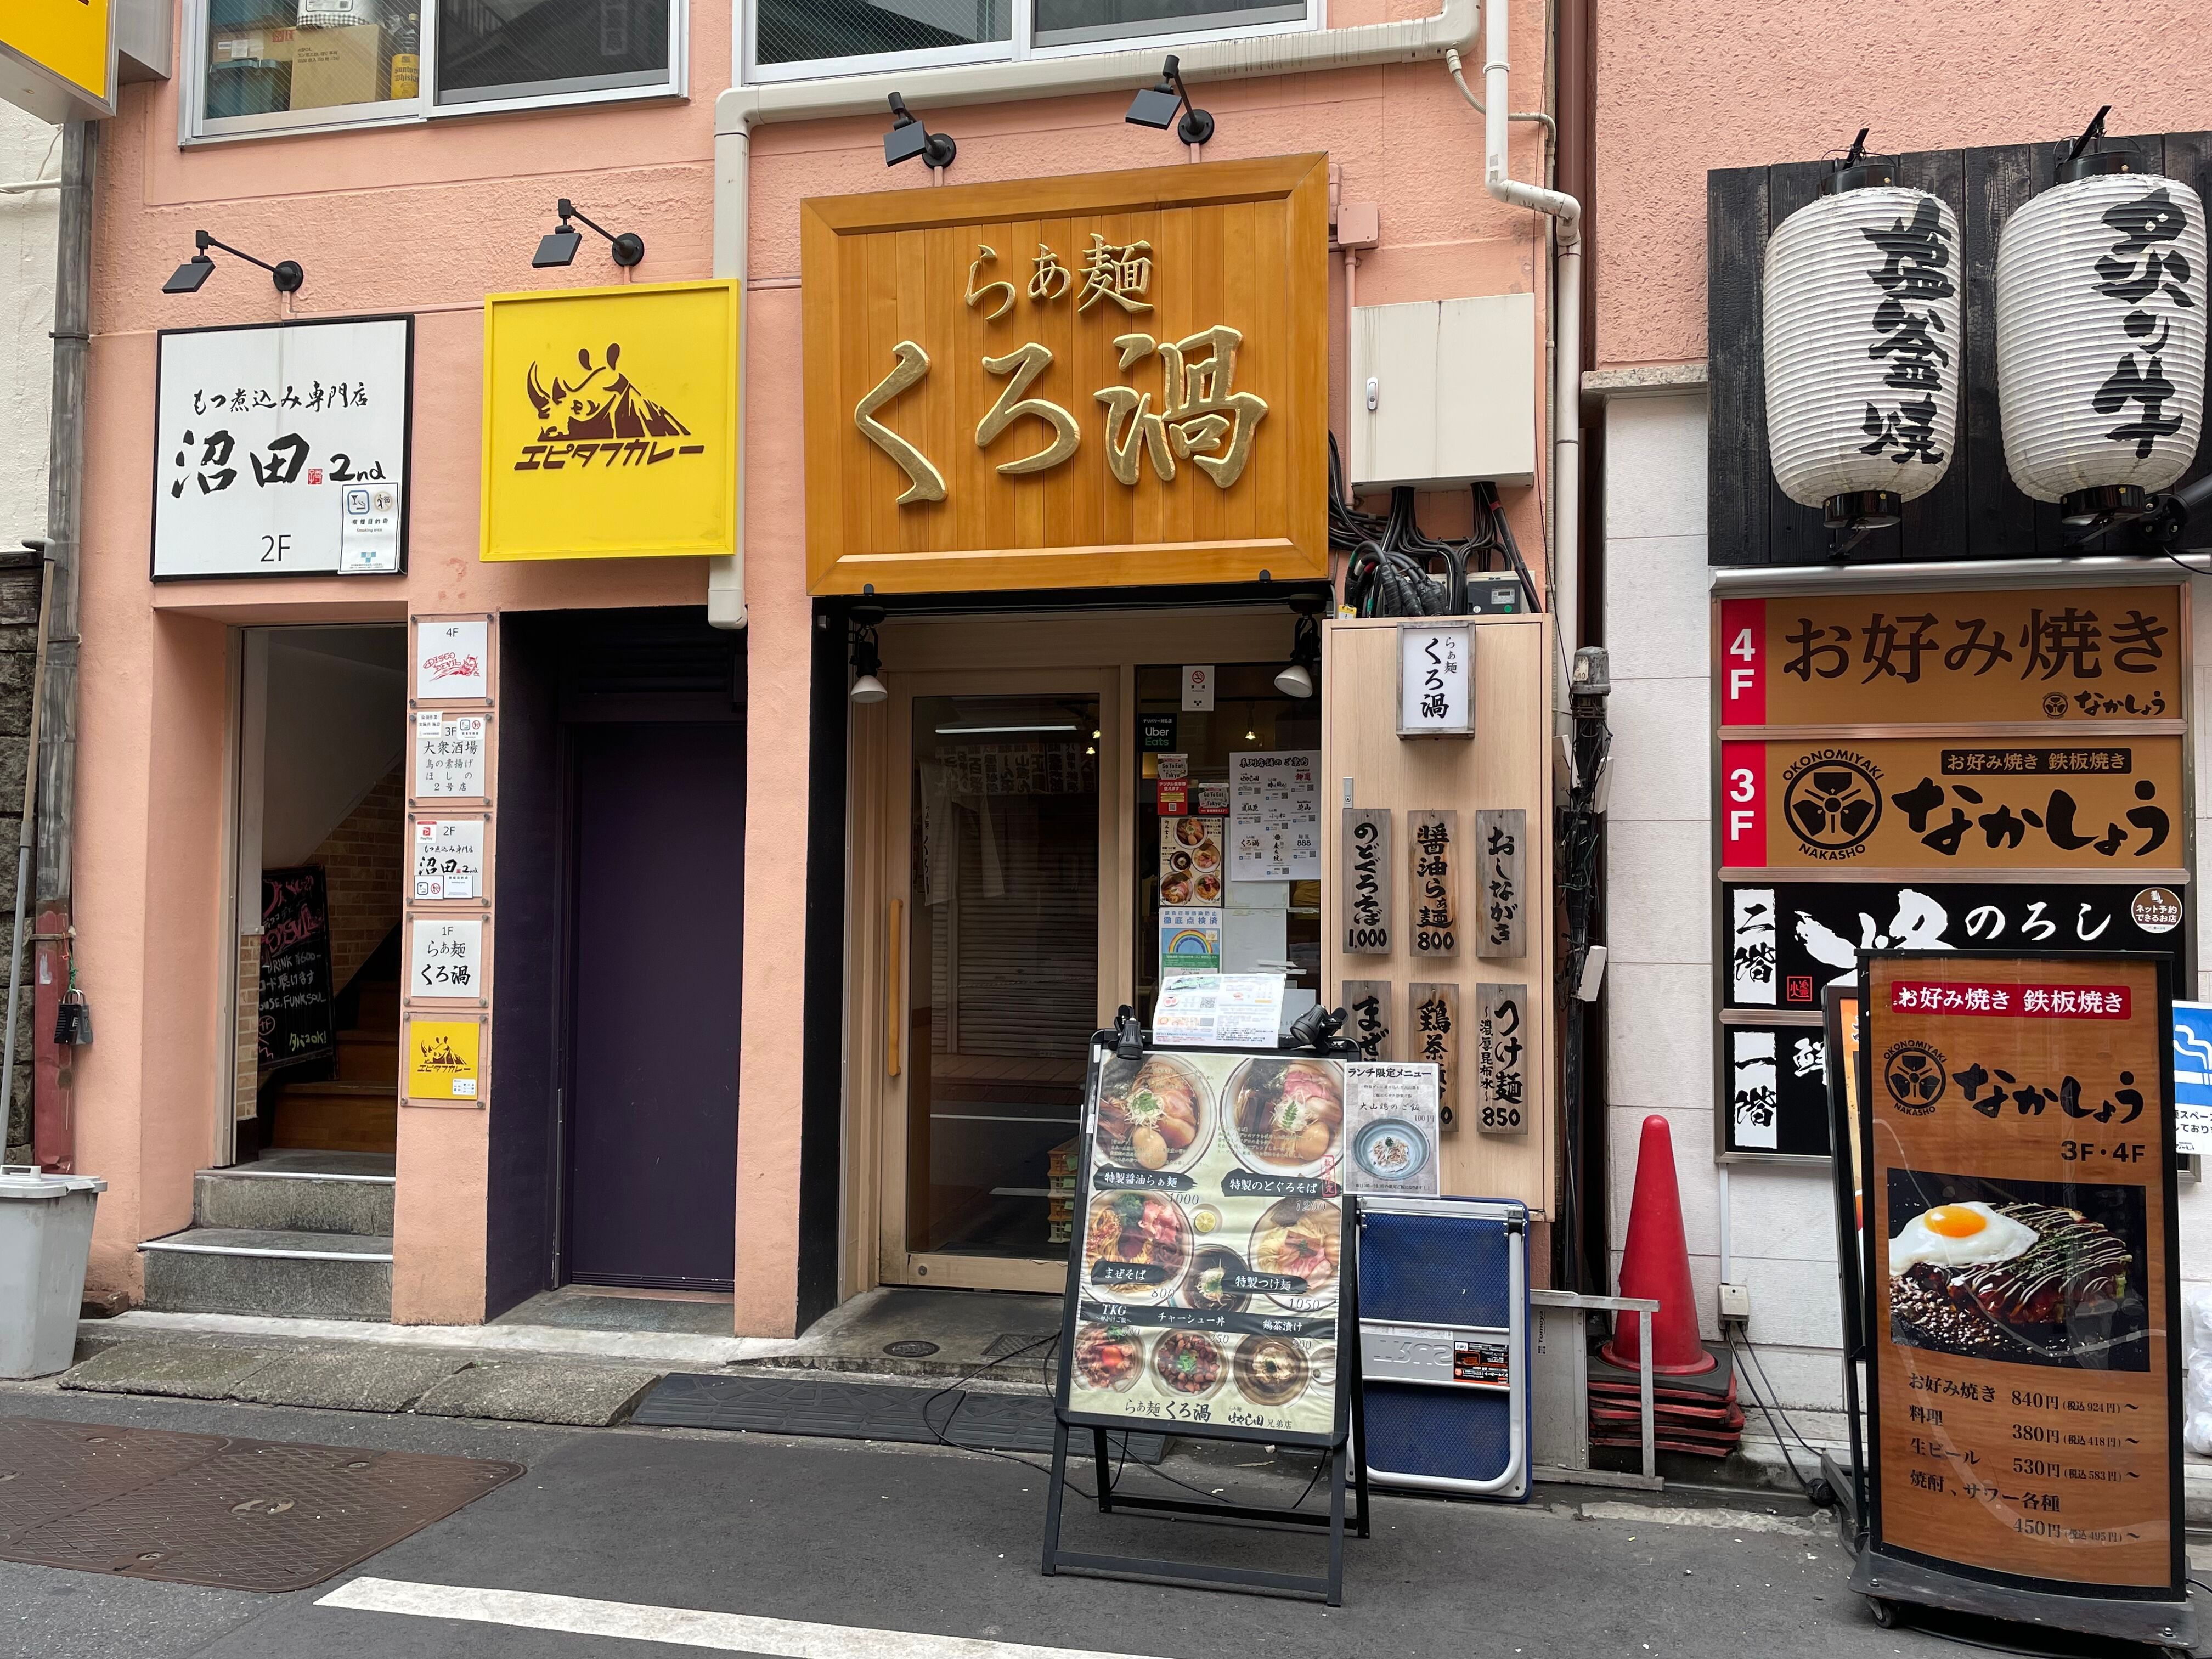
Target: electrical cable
x,y
1758,1362
1804,1485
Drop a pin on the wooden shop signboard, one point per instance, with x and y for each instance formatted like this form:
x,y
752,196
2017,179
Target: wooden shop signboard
x,y
2020,1262
1103,379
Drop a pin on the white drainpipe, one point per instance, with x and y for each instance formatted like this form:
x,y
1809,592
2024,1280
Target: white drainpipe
x,y
737,111
1566,216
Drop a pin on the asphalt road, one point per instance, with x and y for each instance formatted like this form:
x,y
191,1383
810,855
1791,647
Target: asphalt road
x,y
875,1541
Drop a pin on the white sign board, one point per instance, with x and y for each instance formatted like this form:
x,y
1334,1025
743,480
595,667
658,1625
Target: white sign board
x,y
1436,679
2192,1078
453,659
449,756
449,858
1198,688
1274,822
281,449
1390,1127
1224,1011
445,958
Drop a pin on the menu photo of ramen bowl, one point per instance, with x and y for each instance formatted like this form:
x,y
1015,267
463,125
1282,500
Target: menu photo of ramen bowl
x,y
1153,1114
1137,1245
1286,1116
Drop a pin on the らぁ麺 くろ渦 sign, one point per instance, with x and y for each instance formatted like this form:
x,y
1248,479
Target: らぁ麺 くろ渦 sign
x,y
1114,378
611,422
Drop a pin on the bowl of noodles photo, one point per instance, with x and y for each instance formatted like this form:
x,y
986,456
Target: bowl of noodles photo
x,y
1135,1247
1299,1239
1285,1115
1153,1114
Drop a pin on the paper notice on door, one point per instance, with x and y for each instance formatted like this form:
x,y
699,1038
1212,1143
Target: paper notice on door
x,y
1222,1011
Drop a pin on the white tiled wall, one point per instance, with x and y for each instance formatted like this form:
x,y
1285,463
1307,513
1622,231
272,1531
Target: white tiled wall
x,y
1659,1038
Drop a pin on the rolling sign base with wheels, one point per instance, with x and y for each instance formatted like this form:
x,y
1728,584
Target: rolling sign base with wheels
x,y
1211,1293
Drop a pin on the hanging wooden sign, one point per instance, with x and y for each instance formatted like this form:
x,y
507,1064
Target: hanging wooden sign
x,y
1501,881
1367,881
1432,847
2021,1266
1501,1065
1366,1003
1432,1008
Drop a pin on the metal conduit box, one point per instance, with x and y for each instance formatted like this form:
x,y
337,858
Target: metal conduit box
x,y
1443,1340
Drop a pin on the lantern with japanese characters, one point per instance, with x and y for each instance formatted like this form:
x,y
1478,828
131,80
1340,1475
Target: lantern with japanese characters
x,y
1861,321
2100,337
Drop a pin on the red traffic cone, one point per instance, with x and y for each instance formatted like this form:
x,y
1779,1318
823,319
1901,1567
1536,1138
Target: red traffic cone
x,y
1656,1263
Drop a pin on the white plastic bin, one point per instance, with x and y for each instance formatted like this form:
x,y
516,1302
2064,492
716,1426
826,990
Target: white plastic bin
x,y
45,1235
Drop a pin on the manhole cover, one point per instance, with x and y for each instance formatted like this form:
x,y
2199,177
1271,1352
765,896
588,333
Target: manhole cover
x,y
909,1350
250,1515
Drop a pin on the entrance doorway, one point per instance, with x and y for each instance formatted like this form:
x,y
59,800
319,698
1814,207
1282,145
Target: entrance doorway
x,y
658,850
1007,779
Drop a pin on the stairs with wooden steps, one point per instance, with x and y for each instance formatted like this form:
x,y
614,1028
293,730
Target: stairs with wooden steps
x,y
357,1108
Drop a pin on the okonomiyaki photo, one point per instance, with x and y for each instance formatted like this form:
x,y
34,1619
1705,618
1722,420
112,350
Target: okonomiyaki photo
x,y
2030,1271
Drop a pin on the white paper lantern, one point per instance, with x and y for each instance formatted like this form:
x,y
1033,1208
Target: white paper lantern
x,y
2100,337
1863,349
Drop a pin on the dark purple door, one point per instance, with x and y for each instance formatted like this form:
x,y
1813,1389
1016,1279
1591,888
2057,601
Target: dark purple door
x,y
660,896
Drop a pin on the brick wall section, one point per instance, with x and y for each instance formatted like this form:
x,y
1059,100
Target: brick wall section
x,y
245,1055
364,864
19,645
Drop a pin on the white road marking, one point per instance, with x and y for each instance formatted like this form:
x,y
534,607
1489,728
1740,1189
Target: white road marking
x,y
688,1627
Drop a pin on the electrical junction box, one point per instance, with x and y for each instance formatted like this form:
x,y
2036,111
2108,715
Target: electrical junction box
x,y
1443,393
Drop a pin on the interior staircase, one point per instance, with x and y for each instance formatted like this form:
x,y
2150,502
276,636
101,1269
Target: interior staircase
x,y
300,1235
355,1109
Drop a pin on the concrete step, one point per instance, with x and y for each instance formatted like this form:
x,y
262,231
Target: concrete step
x,y
338,1116
276,1201
312,1275
368,1056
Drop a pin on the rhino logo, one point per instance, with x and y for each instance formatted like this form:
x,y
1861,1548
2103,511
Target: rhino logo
x,y
604,403
600,416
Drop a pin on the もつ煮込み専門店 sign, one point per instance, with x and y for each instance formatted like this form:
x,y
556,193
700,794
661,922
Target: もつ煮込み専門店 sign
x,y
1098,381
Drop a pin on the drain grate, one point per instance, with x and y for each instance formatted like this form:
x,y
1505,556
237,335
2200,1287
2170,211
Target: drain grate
x,y
199,1509
1039,1348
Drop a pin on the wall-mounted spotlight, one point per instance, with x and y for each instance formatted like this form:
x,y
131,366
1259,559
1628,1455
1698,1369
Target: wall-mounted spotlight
x,y
190,276
867,661
1156,106
909,138
558,245
1297,680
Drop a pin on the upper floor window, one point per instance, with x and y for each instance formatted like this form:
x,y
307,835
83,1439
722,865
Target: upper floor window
x,y
799,40
284,65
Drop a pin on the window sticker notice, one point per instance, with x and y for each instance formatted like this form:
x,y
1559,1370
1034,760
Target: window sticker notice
x,y
1489,1365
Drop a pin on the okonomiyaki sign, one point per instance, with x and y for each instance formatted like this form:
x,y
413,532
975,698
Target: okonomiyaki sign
x,y
2018,1241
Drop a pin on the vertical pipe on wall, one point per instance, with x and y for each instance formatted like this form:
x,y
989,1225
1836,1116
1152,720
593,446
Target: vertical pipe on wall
x,y
54,1131
725,577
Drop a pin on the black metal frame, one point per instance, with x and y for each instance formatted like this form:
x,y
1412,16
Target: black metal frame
x,y
1341,1443
2161,1614
1849,1484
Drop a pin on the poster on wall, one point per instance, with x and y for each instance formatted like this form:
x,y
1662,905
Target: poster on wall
x,y
2021,1271
449,756
445,958
281,449
1190,940
295,1004
1190,861
1206,1288
453,659
1391,1128
1786,940
444,1061
449,859
1274,823
1775,1089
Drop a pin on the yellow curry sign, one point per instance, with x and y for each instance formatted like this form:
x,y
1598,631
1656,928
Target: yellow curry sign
x,y
1116,379
57,57
611,422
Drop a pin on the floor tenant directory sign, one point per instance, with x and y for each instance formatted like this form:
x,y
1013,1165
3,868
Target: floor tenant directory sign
x,y
1208,1286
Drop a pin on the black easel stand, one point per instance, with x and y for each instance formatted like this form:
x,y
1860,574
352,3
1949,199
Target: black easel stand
x,y
1343,1447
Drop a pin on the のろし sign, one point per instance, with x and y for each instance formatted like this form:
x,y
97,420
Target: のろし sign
x,y
611,422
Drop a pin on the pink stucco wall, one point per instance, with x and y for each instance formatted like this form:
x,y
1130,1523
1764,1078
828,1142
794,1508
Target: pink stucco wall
x,y
1682,88
428,219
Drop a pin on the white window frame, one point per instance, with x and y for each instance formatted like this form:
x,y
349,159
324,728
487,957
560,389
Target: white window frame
x,y
195,127
1020,48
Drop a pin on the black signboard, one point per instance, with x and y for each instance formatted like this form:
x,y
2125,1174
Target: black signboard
x,y
1787,939
295,967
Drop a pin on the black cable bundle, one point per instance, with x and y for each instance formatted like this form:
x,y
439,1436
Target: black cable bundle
x,y
1388,573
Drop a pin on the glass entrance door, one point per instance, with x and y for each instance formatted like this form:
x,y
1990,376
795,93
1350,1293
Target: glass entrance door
x,y
1002,989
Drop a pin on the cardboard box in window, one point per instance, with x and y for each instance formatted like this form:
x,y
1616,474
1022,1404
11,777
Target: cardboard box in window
x,y
336,66
251,46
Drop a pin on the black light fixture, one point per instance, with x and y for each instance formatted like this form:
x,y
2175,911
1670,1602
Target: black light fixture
x,y
1156,106
558,245
1297,680
909,138
867,661
191,276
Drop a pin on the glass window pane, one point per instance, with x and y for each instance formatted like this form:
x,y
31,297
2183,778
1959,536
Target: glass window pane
x,y
1065,22
1003,975
802,31
532,48
269,56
